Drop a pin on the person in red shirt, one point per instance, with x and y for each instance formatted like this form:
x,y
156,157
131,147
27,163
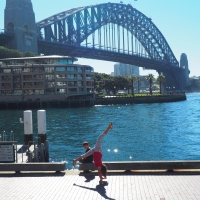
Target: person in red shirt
x,y
97,155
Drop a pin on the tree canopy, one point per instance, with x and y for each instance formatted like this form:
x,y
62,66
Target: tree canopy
x,y
12,53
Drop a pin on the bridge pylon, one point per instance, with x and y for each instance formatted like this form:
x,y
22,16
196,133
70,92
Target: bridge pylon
x,y
19,20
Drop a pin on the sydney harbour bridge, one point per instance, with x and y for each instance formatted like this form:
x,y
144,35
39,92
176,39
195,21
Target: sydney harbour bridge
x,y
110,31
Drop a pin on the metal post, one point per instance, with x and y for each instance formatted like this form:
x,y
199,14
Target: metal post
x,y
41,114
46,151
36,154
28,126
42,153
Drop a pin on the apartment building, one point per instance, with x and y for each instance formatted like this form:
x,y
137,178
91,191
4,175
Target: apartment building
x,y
44,77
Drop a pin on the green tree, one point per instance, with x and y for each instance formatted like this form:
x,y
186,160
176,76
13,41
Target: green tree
x,y
9,53
29,54
121,82
12,53
99,81
132,78
160,79
194,84
150,78
139,78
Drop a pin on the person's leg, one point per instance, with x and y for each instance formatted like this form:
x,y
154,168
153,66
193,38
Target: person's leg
x,y
99,140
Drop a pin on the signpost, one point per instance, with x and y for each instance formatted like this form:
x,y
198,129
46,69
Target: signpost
x,y
7,152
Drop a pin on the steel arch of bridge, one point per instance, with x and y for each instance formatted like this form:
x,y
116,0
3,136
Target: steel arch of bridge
x,y
74,26
66,32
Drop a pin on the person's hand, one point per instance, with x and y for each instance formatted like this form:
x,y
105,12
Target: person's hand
x,y
110,125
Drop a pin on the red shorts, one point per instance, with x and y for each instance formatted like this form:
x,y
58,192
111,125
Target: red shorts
x,y
97,159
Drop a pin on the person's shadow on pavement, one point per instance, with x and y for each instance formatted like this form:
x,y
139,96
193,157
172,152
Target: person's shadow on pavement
x,y
89,178
99,188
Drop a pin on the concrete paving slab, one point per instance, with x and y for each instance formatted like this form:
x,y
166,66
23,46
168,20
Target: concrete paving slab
x,y
72,184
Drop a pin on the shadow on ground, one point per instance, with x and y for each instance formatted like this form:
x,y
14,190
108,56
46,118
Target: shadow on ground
x,y
99,188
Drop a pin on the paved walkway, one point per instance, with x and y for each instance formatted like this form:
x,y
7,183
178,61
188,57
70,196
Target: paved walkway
x,y
120,186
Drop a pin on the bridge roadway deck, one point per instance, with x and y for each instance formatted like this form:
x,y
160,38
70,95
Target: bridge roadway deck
x,y
73,184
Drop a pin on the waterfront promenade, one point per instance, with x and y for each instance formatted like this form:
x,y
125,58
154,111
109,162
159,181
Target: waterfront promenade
x,y
72,184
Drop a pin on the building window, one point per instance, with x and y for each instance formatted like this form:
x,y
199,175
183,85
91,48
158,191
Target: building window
x,y
61,76
50,91
17,85
62,61
72,90
72,83
88,83
27,77
89,69
80,83
27,85
39,92
6,78
71,76
80,69
49,69
61,91
17,92
7,92
71,69
38,84
17,71
38,69
6,85
49,77
80,76
88,77
28,91
61,83
27,69
6,70
50,84
70,62
60,69
38,77
17,78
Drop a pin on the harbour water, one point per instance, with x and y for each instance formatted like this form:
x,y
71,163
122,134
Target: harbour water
x,y
160,131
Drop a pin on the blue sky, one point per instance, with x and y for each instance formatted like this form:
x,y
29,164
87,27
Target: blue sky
x,y
178,21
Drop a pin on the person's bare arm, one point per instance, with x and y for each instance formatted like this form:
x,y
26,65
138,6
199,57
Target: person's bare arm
x,y
77,159
90,152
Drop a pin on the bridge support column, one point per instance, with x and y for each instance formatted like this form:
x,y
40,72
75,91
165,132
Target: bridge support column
x,y
19,19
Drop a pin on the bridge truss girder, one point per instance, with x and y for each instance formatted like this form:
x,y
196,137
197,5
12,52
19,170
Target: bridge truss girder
x,y
65,33
74,26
